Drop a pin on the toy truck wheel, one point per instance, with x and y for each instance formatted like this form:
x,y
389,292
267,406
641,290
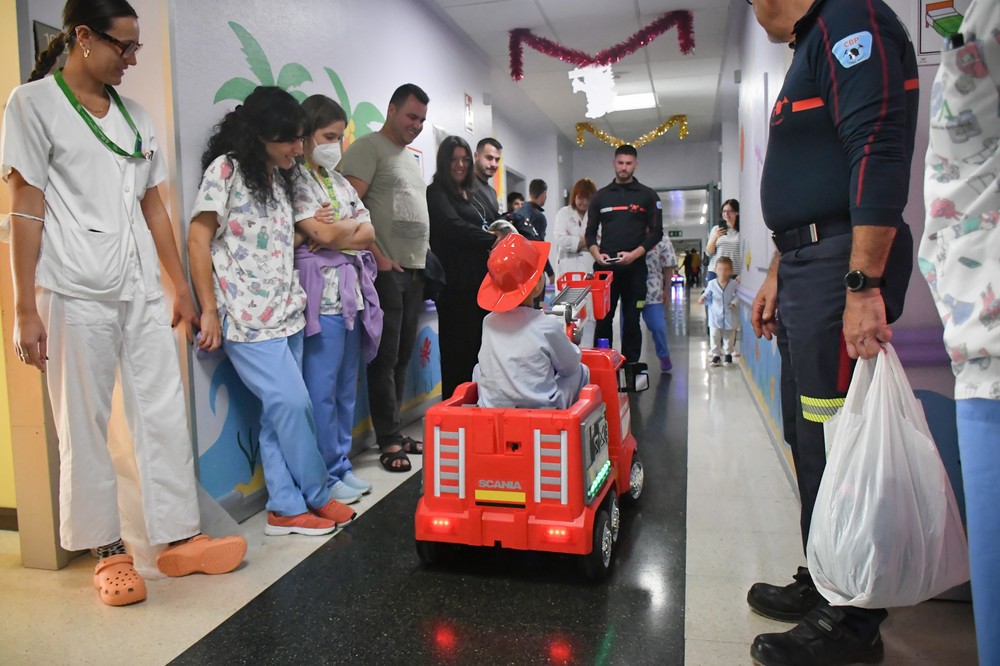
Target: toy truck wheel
x,y
597,564
616,515
431,552
636,480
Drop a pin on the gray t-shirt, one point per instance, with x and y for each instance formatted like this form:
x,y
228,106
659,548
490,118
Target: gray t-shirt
x,y
396,197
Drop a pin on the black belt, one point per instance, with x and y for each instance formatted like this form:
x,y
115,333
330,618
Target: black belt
x,y
793,239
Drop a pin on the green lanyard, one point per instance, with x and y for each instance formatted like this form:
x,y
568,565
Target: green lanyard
x,y
324,181
92,124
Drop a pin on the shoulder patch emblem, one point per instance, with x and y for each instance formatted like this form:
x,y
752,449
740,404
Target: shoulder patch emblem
x,y
853,49
659,205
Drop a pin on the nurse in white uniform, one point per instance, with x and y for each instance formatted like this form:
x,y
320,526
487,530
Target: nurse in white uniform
x,y
87,226
571,223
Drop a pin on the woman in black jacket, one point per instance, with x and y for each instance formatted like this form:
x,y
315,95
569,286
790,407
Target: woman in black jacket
x,y
463,246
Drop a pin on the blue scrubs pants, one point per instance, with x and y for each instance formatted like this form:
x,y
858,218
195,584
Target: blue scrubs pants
x,y
979,445
653,315
293,467
330,366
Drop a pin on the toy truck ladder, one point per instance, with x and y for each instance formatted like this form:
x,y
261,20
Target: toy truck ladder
x,y
449,472
551,459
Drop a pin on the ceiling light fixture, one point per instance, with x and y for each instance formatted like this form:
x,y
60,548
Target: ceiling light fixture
x,y
702,220
704,209
635,102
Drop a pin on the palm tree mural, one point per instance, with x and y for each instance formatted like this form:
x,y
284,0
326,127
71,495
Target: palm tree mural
x,y
291,76
360,119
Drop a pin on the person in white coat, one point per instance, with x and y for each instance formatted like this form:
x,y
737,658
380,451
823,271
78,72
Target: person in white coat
x,y
571,225
87,226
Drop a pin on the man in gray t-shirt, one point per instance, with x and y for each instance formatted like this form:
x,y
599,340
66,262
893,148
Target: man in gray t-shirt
x,y
389,181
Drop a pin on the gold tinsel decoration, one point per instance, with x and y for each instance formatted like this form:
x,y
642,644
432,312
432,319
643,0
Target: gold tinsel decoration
x,y
681,120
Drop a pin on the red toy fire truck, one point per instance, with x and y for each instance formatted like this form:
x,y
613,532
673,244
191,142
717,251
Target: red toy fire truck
x,y
536,479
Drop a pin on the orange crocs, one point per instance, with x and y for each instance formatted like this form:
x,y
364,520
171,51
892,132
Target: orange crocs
x,y
339,513
117,581
203,554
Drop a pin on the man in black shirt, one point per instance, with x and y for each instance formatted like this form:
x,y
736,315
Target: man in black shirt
x,y
833,187
629,217
486,162
530,220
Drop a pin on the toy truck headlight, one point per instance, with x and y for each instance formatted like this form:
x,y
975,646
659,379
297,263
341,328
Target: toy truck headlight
x,y
441,525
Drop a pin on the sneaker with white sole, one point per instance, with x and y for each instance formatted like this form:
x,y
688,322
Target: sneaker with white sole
x,y
344,493
304,523
356,483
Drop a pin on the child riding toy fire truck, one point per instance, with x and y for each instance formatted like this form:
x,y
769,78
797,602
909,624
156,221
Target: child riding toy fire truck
x,y
537,479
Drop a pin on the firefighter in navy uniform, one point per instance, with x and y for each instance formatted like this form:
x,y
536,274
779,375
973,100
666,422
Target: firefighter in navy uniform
x,y
833,188
630,219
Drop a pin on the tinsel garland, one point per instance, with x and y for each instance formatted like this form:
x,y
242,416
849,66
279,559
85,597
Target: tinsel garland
x,y
652,135
680,19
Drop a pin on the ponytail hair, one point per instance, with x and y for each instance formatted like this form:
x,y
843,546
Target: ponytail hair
x,y
269,114
95,14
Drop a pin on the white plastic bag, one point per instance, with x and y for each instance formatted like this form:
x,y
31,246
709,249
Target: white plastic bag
x,y
886,530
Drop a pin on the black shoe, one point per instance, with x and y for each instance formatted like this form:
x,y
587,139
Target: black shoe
x,y
785,604
716,361
729,359
821,639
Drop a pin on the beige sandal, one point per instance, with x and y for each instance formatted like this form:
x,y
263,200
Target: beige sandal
x,y
117,581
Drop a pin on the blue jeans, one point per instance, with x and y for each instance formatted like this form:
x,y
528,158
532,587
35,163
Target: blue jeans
x,y
330,366
293,467
653,315
979,445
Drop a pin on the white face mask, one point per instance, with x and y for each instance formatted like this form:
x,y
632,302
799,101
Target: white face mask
x,y
327,155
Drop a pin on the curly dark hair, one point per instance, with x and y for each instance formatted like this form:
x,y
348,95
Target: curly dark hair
x,y
95,14
268,114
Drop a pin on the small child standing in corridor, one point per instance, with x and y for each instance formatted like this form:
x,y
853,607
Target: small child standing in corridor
x,y
720,294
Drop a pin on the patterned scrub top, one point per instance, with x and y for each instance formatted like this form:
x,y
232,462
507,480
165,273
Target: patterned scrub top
x,y
959,254
662,256
345,202
253,250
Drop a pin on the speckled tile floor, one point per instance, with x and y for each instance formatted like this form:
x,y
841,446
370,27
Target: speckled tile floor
x,y
718,514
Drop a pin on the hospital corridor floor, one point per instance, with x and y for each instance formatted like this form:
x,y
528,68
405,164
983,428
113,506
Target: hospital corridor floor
x,y
717,514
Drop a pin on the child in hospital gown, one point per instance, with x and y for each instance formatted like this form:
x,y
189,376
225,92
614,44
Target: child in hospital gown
x,y
526,359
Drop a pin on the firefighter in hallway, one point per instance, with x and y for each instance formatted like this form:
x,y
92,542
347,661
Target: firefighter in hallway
x,y
629,217
833,188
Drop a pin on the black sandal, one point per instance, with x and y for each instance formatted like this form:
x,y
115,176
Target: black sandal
x,y
412,446
389,458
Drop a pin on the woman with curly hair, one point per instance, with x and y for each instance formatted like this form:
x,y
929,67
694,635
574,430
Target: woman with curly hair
x,y
241,248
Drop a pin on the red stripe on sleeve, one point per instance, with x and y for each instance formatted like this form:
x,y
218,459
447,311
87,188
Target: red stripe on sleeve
x,y
885,101
833,71
911,84
806,104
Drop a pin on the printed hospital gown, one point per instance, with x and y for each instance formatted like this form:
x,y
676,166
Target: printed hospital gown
x,y
257,287
960,251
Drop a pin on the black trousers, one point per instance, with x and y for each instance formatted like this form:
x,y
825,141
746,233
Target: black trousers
x,y
629,286
815,368
401,296
460,335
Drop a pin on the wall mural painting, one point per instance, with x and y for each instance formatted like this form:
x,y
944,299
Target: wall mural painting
x,y
363,119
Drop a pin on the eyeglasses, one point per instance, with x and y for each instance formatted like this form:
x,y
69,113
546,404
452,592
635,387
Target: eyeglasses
x,y
128,49
462,160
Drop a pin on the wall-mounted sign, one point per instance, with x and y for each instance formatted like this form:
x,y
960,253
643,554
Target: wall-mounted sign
x,y
675,233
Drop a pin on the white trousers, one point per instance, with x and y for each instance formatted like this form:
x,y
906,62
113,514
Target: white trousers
x,y
723,341
89,344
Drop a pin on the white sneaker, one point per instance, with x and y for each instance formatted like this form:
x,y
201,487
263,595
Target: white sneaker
x,y
344,493
354,482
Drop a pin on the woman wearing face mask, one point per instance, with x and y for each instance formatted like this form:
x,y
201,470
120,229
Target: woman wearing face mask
x,y
343,318
459,241
241,247
87,228
571,223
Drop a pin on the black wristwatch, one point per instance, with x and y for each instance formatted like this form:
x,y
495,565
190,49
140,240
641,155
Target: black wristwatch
x,y
858,281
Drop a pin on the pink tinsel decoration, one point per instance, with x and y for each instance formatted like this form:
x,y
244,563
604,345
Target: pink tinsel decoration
x,y
682,20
